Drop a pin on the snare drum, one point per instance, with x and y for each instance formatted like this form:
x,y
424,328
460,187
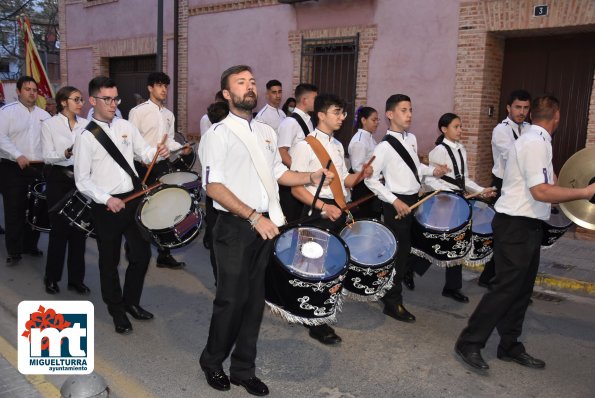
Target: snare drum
x,y
188,180
555,227
169,216
305,276
372,249
78,212
184,162
37,208
482,239
441,231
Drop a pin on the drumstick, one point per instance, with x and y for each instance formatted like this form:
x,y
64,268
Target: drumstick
x,y
154,160
357,202
416,204
182,148
473,195
317,194
360,175
140,193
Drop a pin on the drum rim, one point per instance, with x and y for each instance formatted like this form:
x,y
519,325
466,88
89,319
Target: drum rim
x,y
311,279
457,228
387,262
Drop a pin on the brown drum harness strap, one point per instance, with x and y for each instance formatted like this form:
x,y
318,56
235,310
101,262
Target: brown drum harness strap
x,y
324,158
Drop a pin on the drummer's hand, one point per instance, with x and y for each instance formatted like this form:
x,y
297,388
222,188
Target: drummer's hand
x,y
331,212
317,175
488,192
187,150
115,205
368,171
440,170
23,162
163,151
401,207
266,228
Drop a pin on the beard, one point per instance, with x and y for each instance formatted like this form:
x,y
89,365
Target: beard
x,y
246,103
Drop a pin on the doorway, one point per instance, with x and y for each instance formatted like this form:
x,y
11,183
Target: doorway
x,y
130,75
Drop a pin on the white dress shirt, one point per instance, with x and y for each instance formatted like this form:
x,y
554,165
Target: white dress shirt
x,y
529,164
96,173
290,132
205,124
439,156
397,175
361,149
304,159
56,137
226,160
502,141
20,131
271,116
153,121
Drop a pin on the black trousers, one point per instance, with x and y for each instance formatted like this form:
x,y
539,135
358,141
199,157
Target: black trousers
x,y
292,208
402,230
62,235
371,208
453,276
19,236
489,269
210,220
324,223
242,257
517,244
110,227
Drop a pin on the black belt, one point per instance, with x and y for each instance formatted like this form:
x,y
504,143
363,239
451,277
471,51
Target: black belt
x,y
230,214
402,196
71,168
534,222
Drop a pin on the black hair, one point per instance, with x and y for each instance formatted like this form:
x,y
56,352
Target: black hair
x,y
219,97
303,89
362,112
444,121
63,94
234,70
217,111
99,82
24,79
324,101
273,83
285,106
394,99
157,77
544,108
521,95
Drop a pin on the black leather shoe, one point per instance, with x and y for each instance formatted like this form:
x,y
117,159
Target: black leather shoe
x,y
471,357
399,313
138,312
325,334
34,252
217,379
13,259
167,261
80,288
523,359
408,280
455,295
51,287
122,324
253,385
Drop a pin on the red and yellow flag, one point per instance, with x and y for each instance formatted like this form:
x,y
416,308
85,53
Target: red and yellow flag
x,y
34,66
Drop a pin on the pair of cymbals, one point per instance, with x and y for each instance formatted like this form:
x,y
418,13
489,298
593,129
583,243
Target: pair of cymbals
x,y
579,172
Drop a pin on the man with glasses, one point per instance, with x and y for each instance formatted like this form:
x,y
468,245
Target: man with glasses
x,y
153,120
330,112
21,161
99,177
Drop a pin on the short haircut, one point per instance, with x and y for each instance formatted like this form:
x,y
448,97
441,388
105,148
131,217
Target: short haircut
x,y
63,94
24,79
234,70
273,83
324,101
157,77
219,97
217,111
544,108
394,99
303,89
99,82
521,95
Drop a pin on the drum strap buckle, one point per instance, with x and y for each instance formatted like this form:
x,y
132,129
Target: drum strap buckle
x,y
350,220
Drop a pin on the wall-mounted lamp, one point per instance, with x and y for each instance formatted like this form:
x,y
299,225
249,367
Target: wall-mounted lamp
x,y
490,111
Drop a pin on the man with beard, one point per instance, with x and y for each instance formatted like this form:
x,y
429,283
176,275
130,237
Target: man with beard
x,y
241,170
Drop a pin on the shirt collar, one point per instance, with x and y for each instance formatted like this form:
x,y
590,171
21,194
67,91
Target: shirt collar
x,y
543,132
240,119
322,136
103,124
397,134
154,104
452,144
364,131
303,114
511,122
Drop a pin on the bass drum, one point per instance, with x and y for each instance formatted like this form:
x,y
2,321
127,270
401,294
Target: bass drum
x,y
37,208
304,279
482,239
555,227
78,213
372,249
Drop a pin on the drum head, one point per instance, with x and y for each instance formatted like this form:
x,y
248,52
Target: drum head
x,y
370,243
311,253
165,208
557,218
179,178
482,215
444,211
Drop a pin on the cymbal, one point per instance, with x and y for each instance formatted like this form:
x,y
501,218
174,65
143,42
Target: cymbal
x,y
578,172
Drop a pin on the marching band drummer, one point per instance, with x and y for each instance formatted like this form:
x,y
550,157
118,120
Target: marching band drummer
x,y
451,152
57,140
100,176
153,120
330,111
397,160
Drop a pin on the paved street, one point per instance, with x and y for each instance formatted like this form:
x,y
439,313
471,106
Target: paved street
x,y
379,357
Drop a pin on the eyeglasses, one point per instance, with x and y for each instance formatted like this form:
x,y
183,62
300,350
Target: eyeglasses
x,y
109,100
338,113
77,100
